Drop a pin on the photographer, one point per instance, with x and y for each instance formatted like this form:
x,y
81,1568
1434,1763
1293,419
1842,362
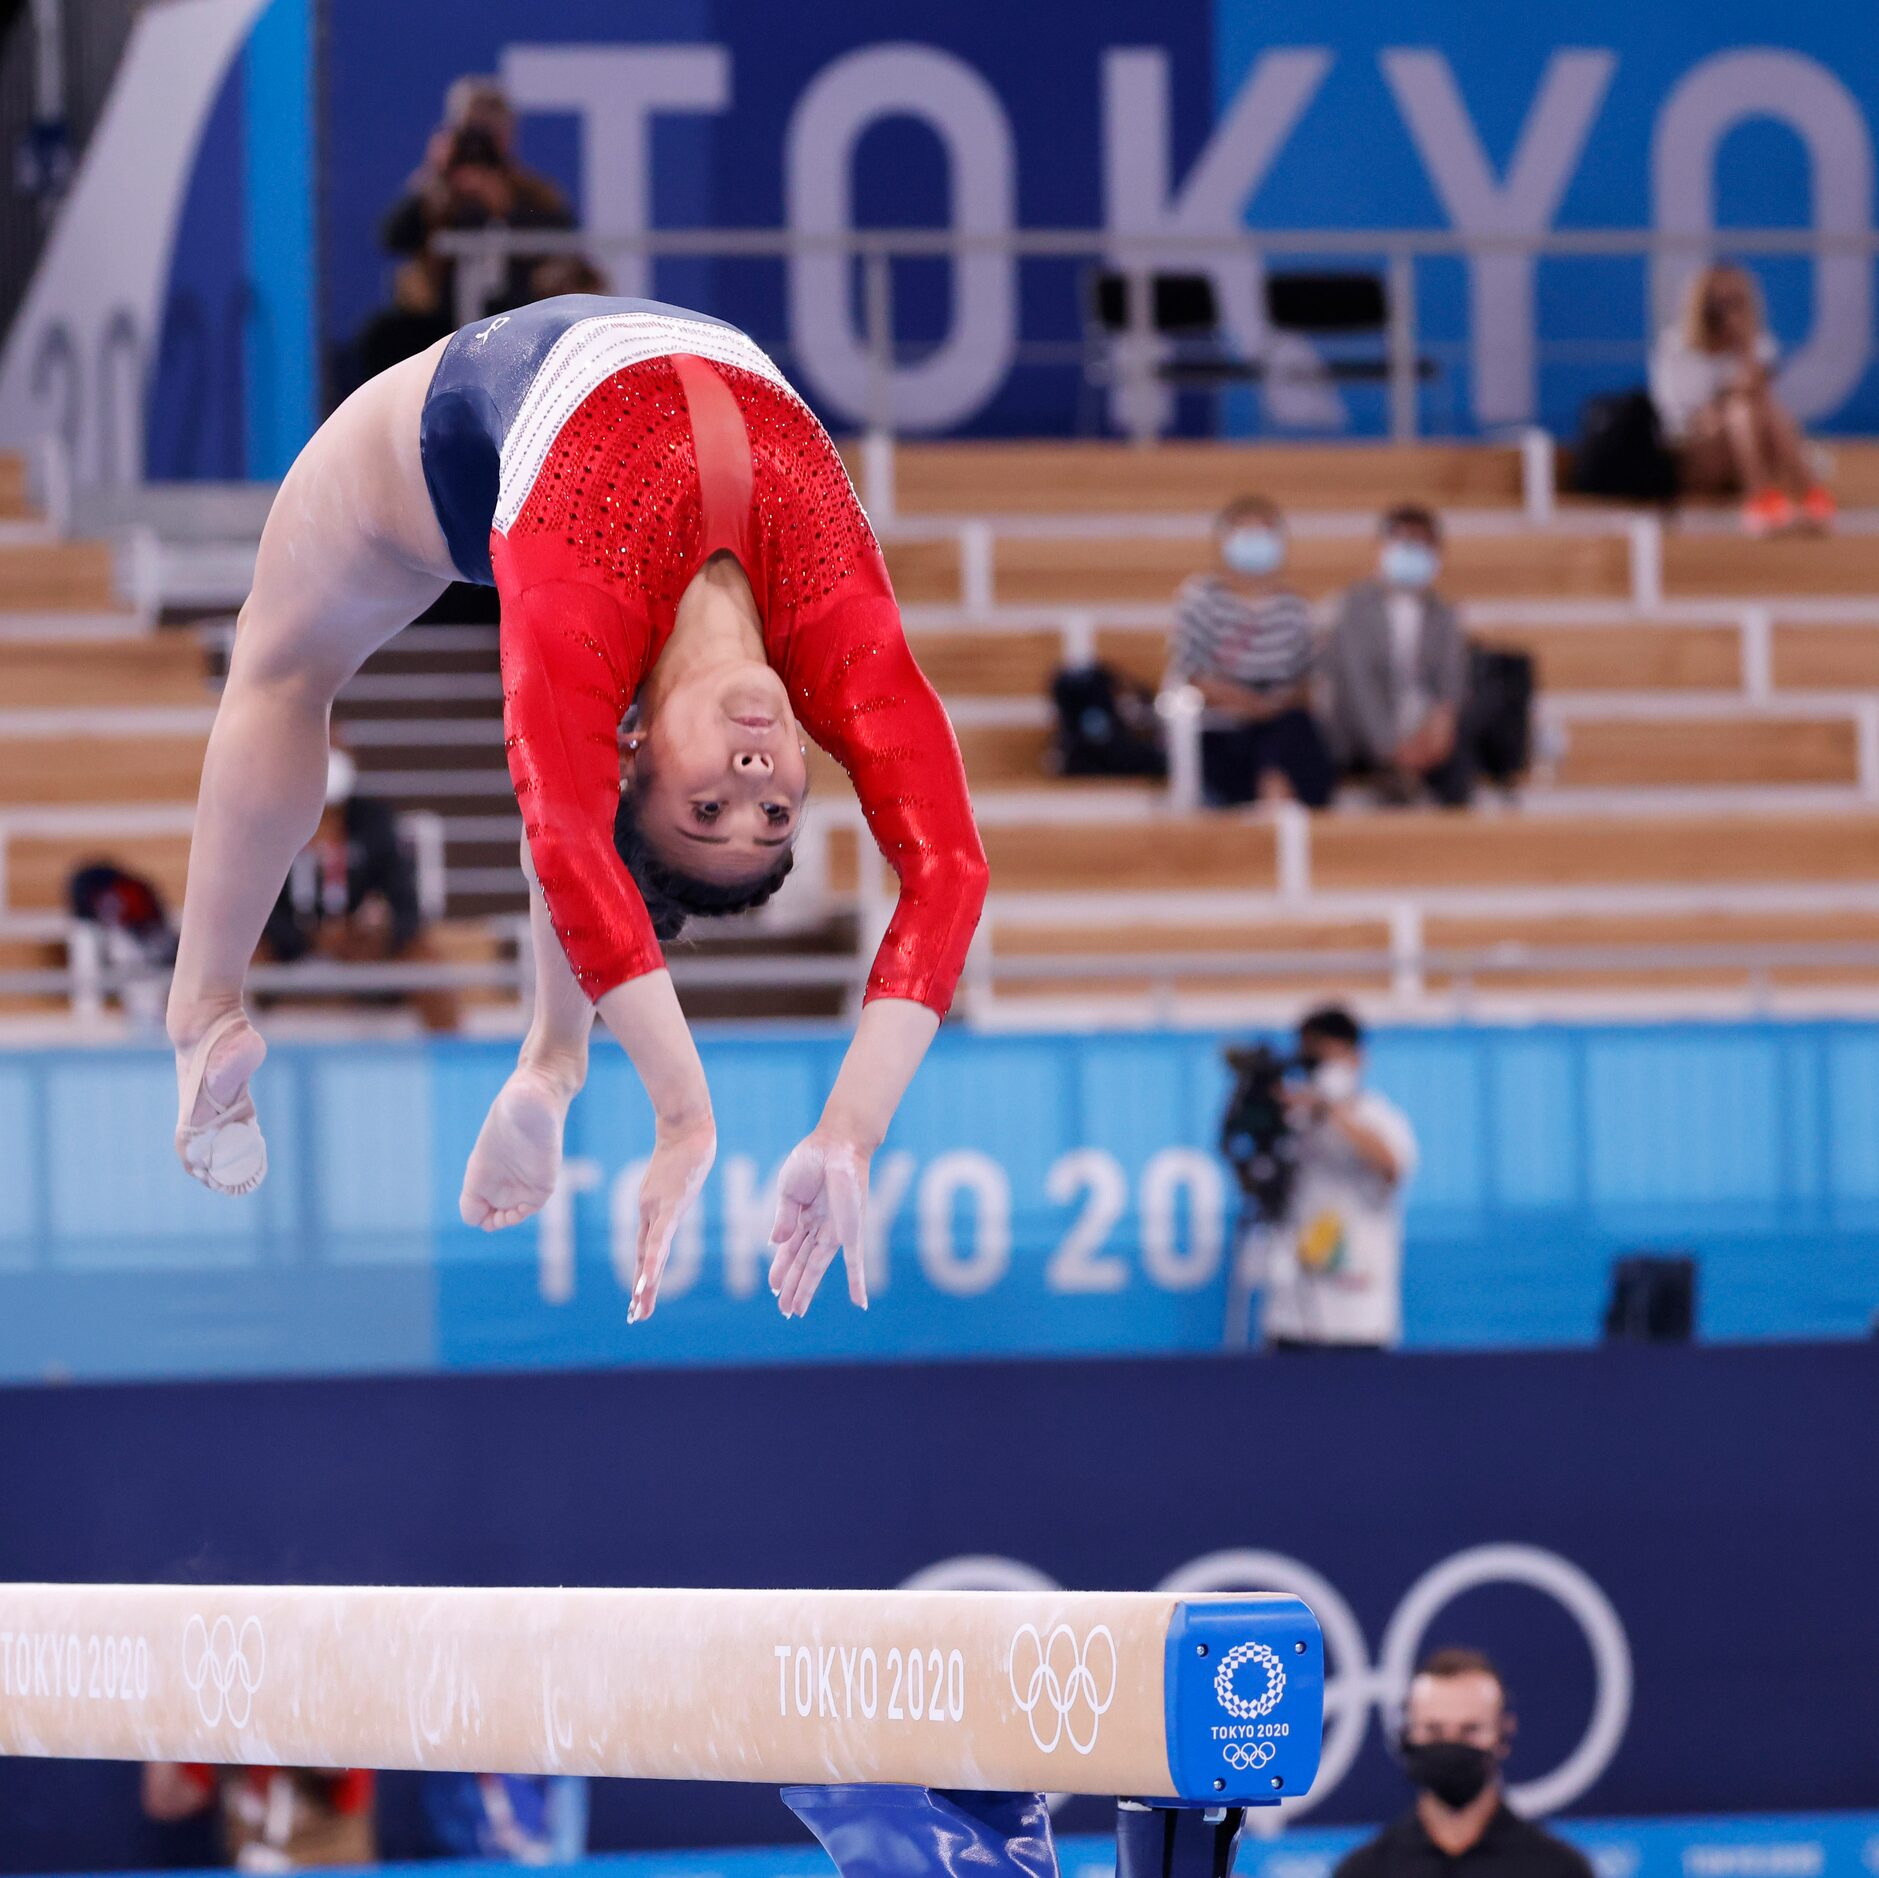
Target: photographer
x,y
1334,1268
470,178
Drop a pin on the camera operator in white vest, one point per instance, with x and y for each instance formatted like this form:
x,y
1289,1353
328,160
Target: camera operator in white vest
x,y
1334,1267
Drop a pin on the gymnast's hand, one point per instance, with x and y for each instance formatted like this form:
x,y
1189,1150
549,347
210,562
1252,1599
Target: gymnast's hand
x,y
822,1205
681,1158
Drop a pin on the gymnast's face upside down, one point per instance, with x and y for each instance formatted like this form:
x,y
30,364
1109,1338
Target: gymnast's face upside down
x,y
718,775
712,796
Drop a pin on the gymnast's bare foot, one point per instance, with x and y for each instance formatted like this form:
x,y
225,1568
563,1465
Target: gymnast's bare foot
x,y
517,1157
218,1137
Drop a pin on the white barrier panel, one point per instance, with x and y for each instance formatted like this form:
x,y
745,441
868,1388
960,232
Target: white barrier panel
x,y
989,1690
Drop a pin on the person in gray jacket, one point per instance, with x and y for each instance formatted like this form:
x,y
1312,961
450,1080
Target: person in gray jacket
x,y
1398,671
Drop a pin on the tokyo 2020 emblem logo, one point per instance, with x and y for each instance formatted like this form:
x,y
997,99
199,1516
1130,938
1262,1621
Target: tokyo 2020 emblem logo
x,y
1249,1681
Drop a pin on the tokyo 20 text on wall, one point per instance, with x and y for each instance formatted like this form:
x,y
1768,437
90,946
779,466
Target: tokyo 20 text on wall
x,y
1038,1194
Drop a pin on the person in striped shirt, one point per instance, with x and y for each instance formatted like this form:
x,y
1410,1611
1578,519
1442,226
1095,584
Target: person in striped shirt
x,y
1243,639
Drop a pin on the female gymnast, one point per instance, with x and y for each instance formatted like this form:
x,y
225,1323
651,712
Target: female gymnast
x,y
670,530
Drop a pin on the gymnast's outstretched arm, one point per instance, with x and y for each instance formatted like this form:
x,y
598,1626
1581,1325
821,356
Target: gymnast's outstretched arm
x,y
563,699
517,1158
870,706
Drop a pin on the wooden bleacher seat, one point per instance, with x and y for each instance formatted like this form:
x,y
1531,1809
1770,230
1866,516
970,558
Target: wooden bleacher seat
x,y
1827,658
1425,851
1587,932
14,503
471,942
1498,940
58,577
1625,752
1419,856
1126,570
1855,472
1619,752
157,668
925,573
1175,855
1700,565
970,662
446,942
1195,478
1110,948
1432,850
155,768
30,955
1637,656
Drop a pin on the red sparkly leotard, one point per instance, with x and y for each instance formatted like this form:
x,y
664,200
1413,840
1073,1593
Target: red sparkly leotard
x,y
613,495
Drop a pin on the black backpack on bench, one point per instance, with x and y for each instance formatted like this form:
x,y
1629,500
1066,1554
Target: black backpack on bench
x,y
1106,725
1498,721
1621,451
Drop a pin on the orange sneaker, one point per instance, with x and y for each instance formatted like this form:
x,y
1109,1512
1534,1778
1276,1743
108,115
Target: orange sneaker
x,y
1818,508
1767,512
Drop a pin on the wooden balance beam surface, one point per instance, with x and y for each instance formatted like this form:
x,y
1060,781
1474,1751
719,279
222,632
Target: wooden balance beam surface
x,y
1138,1693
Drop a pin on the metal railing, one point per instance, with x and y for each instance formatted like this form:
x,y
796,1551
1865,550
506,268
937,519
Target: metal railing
x,y
1445,977
483,257
96,392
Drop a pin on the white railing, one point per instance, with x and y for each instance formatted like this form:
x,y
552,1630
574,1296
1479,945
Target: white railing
x,y
1405,973
483,257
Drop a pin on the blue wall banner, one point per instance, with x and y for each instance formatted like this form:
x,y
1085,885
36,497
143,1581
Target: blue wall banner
x,y
1212,119
1668,1550
1038,1194
1217,122
1774,1845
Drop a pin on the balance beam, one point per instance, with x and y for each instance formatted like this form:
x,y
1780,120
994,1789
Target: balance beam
x,y
1214,1701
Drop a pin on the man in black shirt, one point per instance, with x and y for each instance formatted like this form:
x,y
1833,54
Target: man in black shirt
x,y
1457,1727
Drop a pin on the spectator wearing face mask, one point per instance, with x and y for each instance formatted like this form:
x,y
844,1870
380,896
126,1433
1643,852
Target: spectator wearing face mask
x,y
1243,640
352,893
1399,672
1334,1265
1457,1727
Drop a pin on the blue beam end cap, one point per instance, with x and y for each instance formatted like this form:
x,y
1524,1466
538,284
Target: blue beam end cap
x,y
1245,1697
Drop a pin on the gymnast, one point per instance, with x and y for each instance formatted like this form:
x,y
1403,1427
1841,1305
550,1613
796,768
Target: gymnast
x,y
672,534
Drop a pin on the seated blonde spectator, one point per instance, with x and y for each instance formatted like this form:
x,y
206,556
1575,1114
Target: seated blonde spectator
x,y
1712,381
1398,669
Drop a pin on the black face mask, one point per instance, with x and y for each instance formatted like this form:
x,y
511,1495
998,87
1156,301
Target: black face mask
x,y
1451,1770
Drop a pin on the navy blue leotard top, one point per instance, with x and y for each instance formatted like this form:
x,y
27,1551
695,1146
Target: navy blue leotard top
x,y
478,387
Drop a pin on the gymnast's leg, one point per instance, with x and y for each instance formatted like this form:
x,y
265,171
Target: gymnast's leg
x,y
351,553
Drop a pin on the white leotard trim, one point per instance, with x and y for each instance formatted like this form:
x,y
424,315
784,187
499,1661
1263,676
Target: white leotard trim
x,y
583,359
